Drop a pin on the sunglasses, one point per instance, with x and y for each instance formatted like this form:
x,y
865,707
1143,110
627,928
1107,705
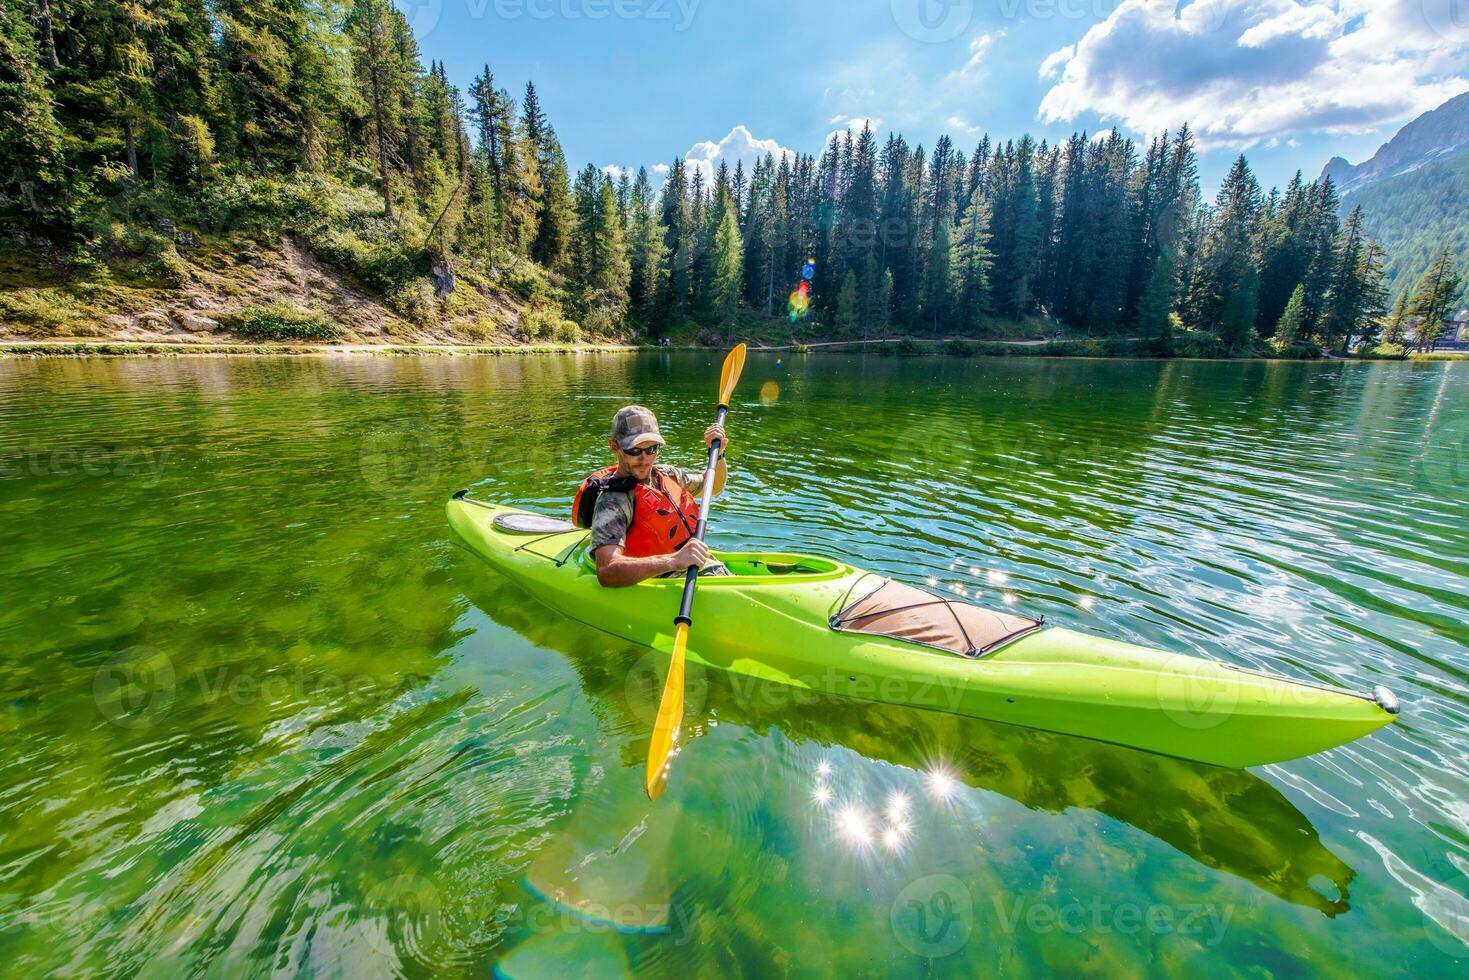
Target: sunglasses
x,y
640,453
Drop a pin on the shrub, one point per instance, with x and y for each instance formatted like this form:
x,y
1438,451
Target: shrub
x,y
1384,352
414,301
1296,350
528,281
1194,343
540,324
568,332
479,329
1074,348
283,321
907,347
959,348
603,321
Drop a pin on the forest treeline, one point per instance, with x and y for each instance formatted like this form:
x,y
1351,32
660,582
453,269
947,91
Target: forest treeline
x,y
229,115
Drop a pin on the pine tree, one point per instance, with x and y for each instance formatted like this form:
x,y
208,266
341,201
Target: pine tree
x,y
729,262
1396,325
969,265
556,217
1227,262
1289,326
380,83
677,239
31,160
1237,326
1155,306
522,181
847,307
885,300
487,112
1433,300
1344,306
936,277
599,260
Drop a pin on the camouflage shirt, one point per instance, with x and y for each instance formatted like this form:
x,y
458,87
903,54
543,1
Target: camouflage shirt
x,y
613,514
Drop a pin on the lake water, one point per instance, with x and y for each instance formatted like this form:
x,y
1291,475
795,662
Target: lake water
x,y
261,714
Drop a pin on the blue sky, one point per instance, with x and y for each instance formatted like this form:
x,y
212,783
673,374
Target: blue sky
x,y
638,82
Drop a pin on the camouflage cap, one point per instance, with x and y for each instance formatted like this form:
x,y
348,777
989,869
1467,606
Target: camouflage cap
x,y
634,425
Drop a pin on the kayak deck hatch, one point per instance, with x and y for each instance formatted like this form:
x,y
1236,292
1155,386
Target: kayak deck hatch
x,y
903,612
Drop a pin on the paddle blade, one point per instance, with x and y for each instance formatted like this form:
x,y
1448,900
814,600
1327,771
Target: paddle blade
x,y
670,718
734,366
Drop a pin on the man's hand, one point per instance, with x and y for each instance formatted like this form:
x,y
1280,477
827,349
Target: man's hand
x,y
695,554
716,431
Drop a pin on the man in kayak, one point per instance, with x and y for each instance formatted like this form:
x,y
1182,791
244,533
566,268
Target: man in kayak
x,y
644,516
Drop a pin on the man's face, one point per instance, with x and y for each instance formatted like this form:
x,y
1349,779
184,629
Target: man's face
x,y
641,467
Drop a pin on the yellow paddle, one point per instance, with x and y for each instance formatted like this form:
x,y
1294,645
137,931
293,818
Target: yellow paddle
x,y
670,711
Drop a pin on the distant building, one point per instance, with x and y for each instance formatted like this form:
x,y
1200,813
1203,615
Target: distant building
x,y
1455,334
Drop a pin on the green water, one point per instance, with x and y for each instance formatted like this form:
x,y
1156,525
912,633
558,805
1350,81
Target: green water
x,y
261,715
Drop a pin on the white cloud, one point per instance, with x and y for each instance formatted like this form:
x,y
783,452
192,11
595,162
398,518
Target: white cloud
x,y
1056,60
617,173
1243,71
962,125
850,124
739,146
978,48
661,168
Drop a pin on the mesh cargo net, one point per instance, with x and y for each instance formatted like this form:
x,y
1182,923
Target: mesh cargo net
x,y
905,613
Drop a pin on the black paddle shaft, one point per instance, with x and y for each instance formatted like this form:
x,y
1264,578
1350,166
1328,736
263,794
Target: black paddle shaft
x,y
686,608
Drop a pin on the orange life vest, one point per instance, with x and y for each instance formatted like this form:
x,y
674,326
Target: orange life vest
x,y
664,516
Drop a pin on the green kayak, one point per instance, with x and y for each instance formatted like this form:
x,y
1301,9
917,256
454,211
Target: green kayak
x,y
825,626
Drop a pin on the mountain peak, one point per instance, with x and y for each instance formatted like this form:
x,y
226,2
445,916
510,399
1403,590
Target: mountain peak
x,y
1432,135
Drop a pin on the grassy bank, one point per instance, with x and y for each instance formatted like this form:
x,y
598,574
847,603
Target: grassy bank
x,y
151,349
